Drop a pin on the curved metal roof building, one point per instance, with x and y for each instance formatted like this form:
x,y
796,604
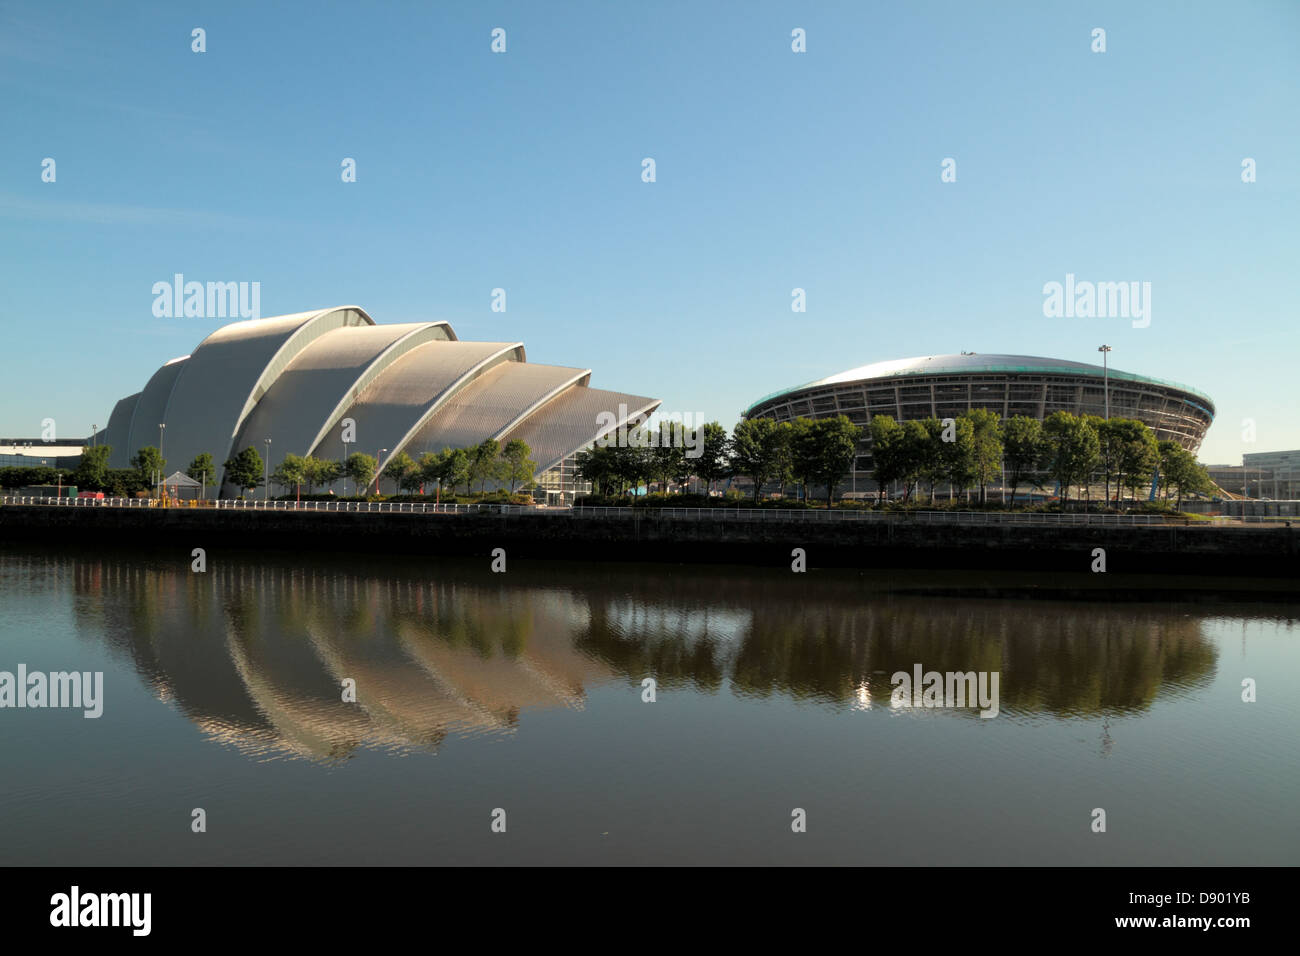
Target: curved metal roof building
x,y
945,386
294,379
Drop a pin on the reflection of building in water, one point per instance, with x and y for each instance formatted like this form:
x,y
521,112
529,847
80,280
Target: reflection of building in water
x,y
256,655
256,652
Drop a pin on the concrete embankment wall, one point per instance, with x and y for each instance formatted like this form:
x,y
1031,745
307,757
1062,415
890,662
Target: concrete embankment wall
x,y
1164,549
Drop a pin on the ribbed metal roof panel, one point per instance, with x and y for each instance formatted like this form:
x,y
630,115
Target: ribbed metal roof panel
x,y
573,420
310,395
151,411
231,370
492,404
396,406
117,433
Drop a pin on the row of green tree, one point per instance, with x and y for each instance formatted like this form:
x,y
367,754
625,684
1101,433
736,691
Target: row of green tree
x,y
812,452
962,453
1071,450
966,452
447,469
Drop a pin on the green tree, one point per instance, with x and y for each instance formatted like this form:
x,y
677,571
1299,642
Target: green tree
x,y
519,467
455,468
1072,450
755,450
780,443
291,473
1137,451
244,470
837,445
684,464
330,472
986,447
92,470
667,455
798,455
361,468
632,462
203,470
1022,449
924,454
483,464
597,465
124,482
1179,469
712,464
398,468
1108,442
429,468
149,463
1171,466
314,472
957,464
888,453
412,480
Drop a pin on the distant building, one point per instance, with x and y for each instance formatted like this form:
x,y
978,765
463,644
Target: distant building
x,y
33,452
1268,474
1273,474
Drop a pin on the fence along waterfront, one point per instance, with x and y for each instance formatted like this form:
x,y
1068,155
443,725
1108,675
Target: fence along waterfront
x,y
682,514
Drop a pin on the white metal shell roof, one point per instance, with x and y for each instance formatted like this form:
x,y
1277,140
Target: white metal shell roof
x,y
231,371
492,404
151,410
294,378
396,406
118,432
309,397
573,420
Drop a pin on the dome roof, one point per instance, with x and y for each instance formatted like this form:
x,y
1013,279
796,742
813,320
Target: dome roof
x,y
971,363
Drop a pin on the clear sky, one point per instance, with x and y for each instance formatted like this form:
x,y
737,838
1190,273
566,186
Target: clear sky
x,y
774,170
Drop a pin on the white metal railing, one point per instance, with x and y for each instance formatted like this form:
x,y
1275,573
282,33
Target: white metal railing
x,y
687,514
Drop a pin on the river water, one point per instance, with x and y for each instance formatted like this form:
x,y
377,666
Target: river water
x,y
519,701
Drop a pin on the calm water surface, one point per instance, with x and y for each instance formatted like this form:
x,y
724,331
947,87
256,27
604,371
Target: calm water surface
x,y
523,691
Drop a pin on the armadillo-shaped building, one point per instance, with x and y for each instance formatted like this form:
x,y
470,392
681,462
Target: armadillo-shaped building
x,y
297,379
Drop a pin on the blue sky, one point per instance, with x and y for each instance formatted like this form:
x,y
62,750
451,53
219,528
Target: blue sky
x,y
775,170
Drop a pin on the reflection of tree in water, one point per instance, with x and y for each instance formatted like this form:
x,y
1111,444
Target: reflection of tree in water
x,y
634,640
842,646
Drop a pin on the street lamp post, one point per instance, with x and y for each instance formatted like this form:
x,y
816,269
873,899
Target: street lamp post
x,y
1105,375
94,431
161,426
379,468
345,465
1105,386
266,472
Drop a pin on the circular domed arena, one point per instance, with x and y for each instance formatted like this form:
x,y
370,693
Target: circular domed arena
x,y
945,386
